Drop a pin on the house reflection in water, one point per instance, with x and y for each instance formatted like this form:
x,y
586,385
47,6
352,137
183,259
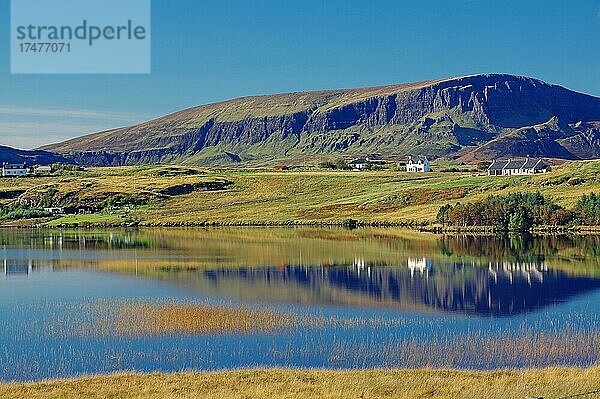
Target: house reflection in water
x,y
512,270
422,265
13,267
22,267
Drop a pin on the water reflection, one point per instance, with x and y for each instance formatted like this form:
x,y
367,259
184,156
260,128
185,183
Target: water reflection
x,y
370,268
498,290
23,268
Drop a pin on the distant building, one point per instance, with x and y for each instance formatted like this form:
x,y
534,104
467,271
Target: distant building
x,y
517,167
14,169
375,158
55,210
359,164
418,164
42,169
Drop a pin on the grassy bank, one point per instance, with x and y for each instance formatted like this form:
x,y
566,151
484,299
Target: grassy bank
x,y
174,195
549,383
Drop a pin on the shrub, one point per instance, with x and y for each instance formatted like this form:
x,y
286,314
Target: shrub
x,y
514,212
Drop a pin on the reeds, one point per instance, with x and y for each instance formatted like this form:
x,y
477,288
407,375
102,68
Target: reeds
x,y
60,340
148,318
141,318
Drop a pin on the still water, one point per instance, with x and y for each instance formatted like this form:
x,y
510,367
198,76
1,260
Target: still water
x,y
357,299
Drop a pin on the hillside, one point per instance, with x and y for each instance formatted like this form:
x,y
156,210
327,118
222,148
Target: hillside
x,y
176,195
448,117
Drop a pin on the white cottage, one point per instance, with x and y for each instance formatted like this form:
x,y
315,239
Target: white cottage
x,y
14,169
418,164
517,167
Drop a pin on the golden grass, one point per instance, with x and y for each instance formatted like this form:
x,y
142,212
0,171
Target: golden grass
x,y
146,318
139,318
313,384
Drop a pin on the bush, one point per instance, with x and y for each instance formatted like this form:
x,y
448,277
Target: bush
x,y
13,212
513,212
588,210
337,165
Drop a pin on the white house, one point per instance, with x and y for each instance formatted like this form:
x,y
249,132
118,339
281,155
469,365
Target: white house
x,y
55,210
359,164
418,164
14,169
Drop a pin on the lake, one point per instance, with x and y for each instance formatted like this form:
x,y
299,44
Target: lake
x,y
99,301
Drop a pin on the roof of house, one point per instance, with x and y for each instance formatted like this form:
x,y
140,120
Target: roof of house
x,y
528,163
417,158
497,165
514,164
14,165
532,163
358,160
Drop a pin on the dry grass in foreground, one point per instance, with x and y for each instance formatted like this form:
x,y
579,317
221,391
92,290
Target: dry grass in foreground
x,y
549,383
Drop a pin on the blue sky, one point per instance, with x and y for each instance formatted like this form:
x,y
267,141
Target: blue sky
x,y
207,51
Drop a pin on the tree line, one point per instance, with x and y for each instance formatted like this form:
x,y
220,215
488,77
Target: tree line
x,y
520,212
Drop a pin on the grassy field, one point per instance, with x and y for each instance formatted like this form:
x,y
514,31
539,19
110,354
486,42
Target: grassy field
x,y
171,195
281,384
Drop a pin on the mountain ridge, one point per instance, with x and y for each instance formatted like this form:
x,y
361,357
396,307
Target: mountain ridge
x,y
444,117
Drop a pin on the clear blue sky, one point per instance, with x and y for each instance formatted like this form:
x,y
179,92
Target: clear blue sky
x,y
207,51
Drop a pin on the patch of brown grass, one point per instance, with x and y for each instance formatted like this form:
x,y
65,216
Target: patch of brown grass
x,y
313,384
147,318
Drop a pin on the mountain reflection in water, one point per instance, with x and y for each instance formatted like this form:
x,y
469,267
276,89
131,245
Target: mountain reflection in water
x,y
497,290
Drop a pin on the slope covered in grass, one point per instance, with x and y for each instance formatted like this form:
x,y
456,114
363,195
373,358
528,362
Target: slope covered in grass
x,y
173,195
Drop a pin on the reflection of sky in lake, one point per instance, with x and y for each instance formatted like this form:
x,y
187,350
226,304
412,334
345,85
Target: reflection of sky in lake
x,y
435,297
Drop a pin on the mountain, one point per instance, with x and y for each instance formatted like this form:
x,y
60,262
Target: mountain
x,y
13,155
472,117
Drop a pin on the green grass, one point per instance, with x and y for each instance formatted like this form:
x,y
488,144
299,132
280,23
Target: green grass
x,y
312,384
264,196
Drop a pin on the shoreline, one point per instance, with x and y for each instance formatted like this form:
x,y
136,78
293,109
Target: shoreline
x,y
419,226
318,383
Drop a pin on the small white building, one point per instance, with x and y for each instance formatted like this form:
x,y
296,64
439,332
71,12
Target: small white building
x,y
55,210
418,164
359,164
42,169
14,169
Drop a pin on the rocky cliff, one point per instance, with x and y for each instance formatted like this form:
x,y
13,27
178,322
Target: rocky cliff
x,y
473,117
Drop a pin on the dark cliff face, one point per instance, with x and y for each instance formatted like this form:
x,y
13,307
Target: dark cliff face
x,y
432,118
13,155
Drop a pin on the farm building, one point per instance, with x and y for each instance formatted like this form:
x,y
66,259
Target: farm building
x,y
359,164
512,167
42,169
418,164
